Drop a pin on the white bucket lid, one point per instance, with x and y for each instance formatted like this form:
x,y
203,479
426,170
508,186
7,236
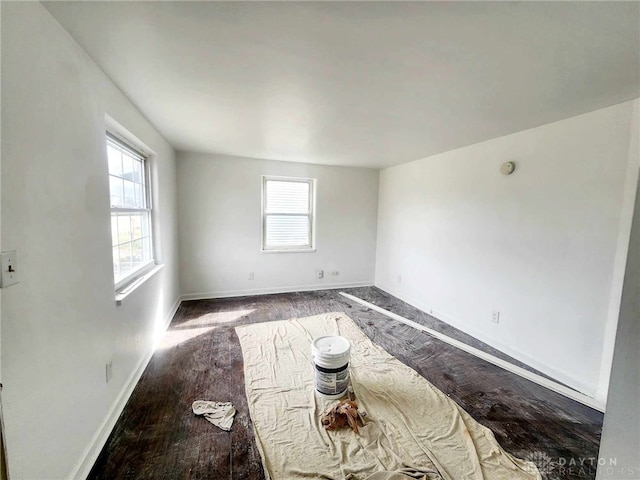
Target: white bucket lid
x,y
331,346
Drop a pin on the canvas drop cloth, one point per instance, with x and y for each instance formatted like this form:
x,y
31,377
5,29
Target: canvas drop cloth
x,y
412,431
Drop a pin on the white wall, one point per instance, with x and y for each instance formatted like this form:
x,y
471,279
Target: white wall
x,y
621,430
220,227
541,246
60,324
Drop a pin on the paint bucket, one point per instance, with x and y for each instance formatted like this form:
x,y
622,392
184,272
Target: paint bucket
x,y
331,359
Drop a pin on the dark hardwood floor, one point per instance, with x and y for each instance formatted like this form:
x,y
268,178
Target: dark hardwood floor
x,y
158,437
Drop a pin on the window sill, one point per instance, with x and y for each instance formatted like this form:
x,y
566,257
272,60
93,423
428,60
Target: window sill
x,y
128,289
305,250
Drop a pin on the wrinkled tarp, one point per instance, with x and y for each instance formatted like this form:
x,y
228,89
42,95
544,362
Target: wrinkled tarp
x,y
412,429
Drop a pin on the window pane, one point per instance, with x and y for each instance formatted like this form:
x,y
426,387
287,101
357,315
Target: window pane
x,y
116,263
127,166
146,249
137,257
136,225
125,259
116,189
124,228
146,224
139,195
114,230
137,171
115,161
286,197
287,230
130,195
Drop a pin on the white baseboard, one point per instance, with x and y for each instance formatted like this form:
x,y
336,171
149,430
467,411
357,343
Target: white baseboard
x,y
90,455
272,290
525,358
540,380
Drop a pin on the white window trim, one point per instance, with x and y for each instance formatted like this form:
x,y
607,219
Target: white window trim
x,y
124,284
137,282
145,271
312,216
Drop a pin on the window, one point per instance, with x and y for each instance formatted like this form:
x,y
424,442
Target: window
x,y
130,211
287,214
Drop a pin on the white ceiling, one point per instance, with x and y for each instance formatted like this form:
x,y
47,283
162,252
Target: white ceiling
x,y
361,84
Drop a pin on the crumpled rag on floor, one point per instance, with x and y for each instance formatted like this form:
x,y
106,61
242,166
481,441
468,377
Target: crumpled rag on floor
x,y
219,413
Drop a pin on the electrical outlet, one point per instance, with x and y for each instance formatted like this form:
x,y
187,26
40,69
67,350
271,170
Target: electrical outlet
x,y
335,273
399,278
108,369
319,274
495,316
251,277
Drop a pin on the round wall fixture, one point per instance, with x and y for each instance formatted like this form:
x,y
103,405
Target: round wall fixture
x,y
507,168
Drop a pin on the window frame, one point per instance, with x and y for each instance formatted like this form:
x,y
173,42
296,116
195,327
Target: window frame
x,y
139,152
311,247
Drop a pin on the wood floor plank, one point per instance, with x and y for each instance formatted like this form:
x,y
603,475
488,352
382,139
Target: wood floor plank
x,y
158,437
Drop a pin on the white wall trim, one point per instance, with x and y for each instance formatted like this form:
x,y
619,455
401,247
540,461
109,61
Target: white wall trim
x,y
506,349
542,381
272,290
90,455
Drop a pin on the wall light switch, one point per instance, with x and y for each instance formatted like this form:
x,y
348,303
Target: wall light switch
x,y
9,268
